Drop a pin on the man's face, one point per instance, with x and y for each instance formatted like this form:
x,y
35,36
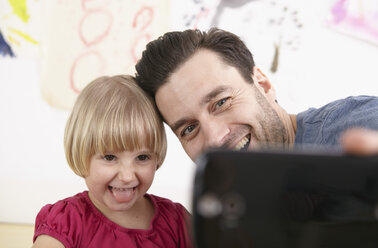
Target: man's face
x,y
207,103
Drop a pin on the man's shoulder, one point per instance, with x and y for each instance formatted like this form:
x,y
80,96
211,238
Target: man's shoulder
x,y
324,125
338,107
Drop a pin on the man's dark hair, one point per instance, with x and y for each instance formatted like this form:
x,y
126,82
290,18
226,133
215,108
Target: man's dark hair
x,y
164,55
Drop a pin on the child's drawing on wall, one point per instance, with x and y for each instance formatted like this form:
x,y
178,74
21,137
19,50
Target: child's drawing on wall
x,y
358,18
20,28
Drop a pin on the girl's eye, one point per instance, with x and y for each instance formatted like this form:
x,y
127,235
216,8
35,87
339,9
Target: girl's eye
x,y
143,157
189,129
110,157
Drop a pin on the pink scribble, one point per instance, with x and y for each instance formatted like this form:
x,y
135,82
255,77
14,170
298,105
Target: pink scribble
x,y
202,14
144,39
97,55
102,34
339,11
143,18
362,26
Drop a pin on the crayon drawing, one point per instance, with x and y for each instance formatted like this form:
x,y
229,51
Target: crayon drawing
x,y
5,49
88,39
20,28
358,18
277,23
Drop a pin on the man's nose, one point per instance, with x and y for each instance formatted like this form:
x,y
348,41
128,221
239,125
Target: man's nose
x,y
215,133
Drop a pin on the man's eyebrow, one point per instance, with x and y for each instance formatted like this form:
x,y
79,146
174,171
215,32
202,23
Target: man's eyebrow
x,y
178,124
207,98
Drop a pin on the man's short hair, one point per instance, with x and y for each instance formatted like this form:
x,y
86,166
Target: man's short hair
x,y
164,55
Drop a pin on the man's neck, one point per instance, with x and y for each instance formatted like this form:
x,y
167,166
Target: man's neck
x,y
293,120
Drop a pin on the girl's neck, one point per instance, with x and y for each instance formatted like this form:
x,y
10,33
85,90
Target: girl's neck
x,y
138,217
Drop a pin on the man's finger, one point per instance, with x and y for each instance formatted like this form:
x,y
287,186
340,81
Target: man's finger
x,y
360,142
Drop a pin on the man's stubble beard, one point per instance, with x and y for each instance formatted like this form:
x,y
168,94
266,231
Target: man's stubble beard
x,y
271,124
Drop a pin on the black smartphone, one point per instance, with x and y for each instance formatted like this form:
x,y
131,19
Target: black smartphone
x,y
285,199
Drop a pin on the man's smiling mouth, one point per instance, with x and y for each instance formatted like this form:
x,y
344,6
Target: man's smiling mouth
x,y
243,143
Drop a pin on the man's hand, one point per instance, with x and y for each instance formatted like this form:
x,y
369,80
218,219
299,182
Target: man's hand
x,y
359,141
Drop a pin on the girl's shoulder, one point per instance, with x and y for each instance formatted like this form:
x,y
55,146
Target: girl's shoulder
x,y
70,205
172,212
165,204
172,221
64,219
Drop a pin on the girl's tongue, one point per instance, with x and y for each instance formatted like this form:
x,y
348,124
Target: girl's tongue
x,y
123,194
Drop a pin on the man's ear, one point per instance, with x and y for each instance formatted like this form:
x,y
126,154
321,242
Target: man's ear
x,y
263,84
261,80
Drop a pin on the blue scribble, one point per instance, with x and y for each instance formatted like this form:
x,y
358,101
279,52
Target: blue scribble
x,y
5,49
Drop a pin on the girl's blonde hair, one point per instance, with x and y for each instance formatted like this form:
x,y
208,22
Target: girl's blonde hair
x,y
112,114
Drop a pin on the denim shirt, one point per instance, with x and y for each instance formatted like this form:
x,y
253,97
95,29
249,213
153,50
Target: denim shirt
x,y
324,126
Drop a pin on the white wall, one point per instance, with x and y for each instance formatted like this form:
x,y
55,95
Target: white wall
x,y
327,66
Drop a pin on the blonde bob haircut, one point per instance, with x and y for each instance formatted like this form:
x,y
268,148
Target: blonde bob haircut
x,y
112,114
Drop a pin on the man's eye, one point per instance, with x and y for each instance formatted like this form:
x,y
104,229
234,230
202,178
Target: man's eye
x,y
188,130
143,157
221,102
110,157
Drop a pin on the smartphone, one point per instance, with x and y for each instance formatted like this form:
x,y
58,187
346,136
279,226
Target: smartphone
x,y
282,198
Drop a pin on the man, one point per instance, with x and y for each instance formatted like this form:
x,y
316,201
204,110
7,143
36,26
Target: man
x,y
209,91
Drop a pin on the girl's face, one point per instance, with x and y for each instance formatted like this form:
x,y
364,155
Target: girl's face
x,y
118,181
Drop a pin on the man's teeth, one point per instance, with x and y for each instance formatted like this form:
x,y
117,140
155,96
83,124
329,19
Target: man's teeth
x,y
242,143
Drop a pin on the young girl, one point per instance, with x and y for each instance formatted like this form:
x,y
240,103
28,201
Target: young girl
x,y
115,140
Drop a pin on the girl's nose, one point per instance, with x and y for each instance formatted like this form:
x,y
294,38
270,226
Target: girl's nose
x,y
126,173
